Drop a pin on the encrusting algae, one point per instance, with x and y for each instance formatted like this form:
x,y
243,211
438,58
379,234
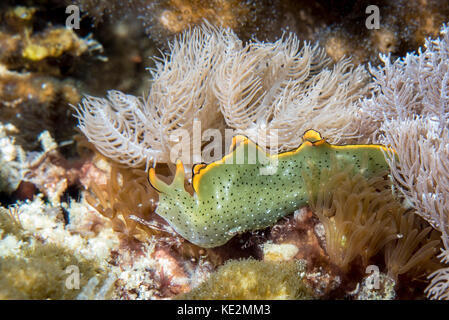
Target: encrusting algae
x,y
254,280
36,264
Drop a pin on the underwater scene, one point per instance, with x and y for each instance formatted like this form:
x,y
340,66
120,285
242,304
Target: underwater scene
x,y
224,150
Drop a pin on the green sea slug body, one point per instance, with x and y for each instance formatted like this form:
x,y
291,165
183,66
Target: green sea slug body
x,y
249,189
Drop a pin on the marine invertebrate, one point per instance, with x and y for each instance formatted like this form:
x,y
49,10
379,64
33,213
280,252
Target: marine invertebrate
x,y
413,247
410,113
356,212
437,288
136,131
258,87
362,216
420,172
249,189
272,91
253,280
125,194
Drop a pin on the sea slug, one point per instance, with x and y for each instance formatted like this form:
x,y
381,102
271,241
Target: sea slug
x,y
249,189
